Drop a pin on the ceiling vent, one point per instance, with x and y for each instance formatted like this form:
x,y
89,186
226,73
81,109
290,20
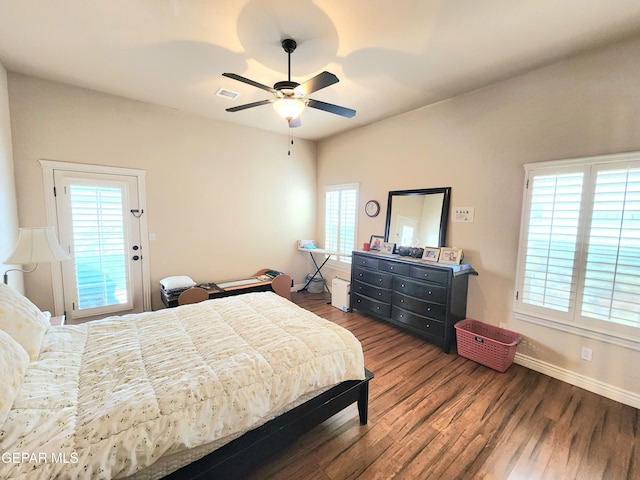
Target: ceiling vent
x,y
223,92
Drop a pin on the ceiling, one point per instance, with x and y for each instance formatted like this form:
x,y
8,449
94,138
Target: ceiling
x,y
390,56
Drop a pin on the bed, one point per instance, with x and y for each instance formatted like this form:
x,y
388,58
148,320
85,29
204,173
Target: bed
x,y
203,390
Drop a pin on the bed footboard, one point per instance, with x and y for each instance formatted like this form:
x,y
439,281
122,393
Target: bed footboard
x,y
255,447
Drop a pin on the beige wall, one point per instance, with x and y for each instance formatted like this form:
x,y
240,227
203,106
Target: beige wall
x,y
8,204
223,200
476,144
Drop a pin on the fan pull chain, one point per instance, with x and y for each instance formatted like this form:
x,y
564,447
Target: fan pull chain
x,y
291,142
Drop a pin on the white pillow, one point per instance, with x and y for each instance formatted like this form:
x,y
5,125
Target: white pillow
x,y
177,281
22,320
13,366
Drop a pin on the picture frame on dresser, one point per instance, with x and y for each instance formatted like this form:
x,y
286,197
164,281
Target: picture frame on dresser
x,y
376,242
387,247
451,256
431,254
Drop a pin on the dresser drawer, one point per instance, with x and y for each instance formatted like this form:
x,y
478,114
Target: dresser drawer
x,y
429,274
368,262
427,325
371,291
426,309
369,305
394,267
373,277
425,291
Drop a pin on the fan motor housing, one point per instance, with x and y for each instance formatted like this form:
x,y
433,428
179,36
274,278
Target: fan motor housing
x,y
285,85
287,89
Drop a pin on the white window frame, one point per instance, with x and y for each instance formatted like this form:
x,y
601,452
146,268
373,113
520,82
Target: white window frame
x,y
573,322
342,262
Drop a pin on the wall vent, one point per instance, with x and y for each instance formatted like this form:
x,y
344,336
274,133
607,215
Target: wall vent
x,y
223,92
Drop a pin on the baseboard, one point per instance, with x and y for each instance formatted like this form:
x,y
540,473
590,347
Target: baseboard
x,y
609,391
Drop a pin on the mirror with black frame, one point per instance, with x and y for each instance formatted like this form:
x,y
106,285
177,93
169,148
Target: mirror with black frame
x,y
418,218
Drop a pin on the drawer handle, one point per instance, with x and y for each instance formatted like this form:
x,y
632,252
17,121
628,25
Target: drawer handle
x,y
429,292
402,315
426,274
428,309
379,294
359,274
427,325
402,285
377,308
380,280
390,268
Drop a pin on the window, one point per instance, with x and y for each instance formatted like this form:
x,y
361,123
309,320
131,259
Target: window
x,y
341,206
579,260
99,240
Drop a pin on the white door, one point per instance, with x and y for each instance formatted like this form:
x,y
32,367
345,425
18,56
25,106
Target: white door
x,y
99,226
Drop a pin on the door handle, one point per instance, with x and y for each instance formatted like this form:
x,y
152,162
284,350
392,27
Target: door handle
x,y
135,257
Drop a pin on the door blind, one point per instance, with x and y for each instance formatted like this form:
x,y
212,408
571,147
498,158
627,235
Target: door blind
x,y
99,245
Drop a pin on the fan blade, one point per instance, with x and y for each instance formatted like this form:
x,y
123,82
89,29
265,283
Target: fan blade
x,y
250,82
316,83
295,122
248,105
331,108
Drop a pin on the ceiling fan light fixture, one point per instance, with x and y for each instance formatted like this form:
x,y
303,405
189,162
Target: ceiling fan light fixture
x,y
291,97
289,108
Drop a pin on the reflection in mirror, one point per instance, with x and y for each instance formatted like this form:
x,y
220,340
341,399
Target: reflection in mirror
x,y
418,218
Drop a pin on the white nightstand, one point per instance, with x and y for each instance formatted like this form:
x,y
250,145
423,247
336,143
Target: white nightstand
x,y
57,321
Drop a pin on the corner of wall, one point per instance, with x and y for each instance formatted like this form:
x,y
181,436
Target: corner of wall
x,y
8,200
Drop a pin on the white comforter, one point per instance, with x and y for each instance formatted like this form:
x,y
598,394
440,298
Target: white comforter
x,y
108,398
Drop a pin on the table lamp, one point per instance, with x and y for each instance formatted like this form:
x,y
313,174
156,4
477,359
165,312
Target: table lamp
x,y
35,245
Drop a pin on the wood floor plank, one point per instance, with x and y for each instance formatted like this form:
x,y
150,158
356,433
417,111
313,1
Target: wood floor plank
x,y
439,416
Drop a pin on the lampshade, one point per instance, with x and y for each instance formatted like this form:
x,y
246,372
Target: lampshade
x,y
289,108
36,245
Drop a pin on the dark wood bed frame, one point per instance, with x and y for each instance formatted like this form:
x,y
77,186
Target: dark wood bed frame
x,y
256,446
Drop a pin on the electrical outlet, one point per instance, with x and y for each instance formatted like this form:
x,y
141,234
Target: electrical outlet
x,y
586,354
502,325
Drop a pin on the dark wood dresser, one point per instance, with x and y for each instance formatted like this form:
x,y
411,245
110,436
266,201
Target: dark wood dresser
x,y
424,298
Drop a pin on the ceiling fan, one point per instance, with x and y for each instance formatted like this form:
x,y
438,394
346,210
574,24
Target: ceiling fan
x,y
290,98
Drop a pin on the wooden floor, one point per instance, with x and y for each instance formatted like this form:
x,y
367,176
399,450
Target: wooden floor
x,y
438,416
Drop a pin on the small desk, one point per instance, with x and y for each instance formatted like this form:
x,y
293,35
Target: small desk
x,y
328,254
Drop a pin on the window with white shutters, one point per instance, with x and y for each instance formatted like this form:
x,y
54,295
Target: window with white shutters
x,y
579,260
341,206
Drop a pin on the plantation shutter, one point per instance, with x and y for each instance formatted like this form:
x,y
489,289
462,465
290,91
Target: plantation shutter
x,y
552,234
340,218
612,275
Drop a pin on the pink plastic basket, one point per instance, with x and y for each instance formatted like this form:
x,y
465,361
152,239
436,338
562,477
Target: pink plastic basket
x,y
486,344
